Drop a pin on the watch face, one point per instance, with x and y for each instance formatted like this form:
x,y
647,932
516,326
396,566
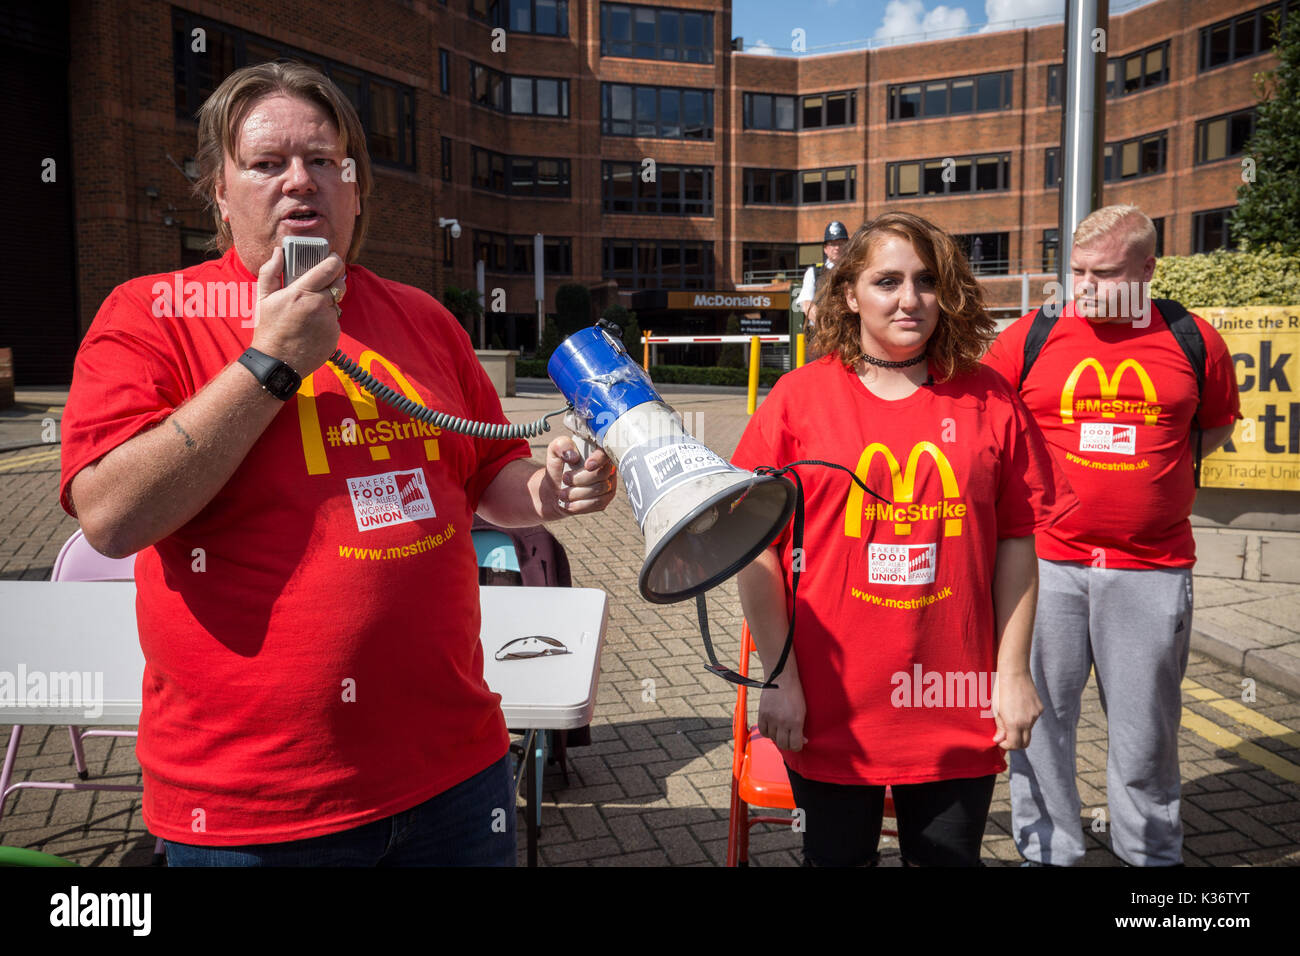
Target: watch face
x,y
282,382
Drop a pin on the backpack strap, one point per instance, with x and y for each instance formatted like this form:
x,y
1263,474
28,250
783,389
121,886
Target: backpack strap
x,y
1041,327
1189,339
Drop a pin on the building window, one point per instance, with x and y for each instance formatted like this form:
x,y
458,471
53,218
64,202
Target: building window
x,y
1055,85
386,109
514,254
936,177
545,17
788,187
546,178
1051,249
446,160
987,251
1160,236
1210,230
1224,136
820,110
655,33
674,190
444,71
448,249
1052,167
1241,37
662,112
766,260
654,264
1138,71
521,95
962,94
1136,157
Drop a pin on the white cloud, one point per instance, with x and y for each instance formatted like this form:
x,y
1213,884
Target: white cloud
x,y
761,46
1004,14
905,20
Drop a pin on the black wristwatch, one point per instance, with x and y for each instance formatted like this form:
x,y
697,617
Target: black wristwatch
x,y
272,374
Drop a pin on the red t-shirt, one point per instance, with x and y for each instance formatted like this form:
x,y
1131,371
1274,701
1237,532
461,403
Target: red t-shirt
x,y
1115,403
895,636
311,637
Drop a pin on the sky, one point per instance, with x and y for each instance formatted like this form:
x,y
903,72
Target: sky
x,y
830,26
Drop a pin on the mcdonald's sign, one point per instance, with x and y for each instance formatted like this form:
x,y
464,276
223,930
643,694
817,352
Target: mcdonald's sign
x,y
1109,404
363,405
903,510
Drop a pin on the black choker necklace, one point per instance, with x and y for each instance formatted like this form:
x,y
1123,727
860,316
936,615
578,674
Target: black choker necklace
x,y
881,363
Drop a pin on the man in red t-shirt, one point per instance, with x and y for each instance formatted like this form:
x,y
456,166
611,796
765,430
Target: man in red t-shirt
x,y
308,603
1117,399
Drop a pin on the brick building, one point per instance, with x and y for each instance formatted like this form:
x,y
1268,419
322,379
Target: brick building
x,y
515,117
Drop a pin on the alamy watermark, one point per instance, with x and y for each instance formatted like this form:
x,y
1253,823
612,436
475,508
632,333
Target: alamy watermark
x,y
947,689
71,690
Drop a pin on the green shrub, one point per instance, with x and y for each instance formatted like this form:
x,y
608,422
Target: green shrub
x,y
1222,278
551,340
572,309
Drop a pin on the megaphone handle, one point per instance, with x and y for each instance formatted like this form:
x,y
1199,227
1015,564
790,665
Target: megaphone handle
x,y
583,439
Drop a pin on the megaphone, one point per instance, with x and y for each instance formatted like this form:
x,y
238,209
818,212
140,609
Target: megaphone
x,y
703,519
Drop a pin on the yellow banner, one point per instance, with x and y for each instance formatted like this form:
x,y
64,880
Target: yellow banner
x,y
1264,451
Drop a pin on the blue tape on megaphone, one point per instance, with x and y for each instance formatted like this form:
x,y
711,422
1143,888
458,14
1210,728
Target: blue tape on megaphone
x,y
595,374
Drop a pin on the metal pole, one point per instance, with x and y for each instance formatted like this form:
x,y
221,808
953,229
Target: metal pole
x,y
481,281
1083,122
539,283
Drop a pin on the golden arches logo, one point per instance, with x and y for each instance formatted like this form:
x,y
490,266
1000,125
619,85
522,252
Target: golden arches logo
x,y
1110,391
363,404
902,511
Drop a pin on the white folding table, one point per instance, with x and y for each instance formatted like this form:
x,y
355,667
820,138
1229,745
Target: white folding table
x,y
61,629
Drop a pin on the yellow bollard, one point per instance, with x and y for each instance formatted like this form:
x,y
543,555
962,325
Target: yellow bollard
x,y
755,357
645,354
800,350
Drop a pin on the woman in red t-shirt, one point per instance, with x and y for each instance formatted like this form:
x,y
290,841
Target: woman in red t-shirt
x,y
910,665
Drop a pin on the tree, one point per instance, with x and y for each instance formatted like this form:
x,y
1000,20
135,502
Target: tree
x,y
464,305
572,308
551,339
1268,209
625,319
733,353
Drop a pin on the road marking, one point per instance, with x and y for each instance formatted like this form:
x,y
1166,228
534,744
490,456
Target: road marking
x,y
1222,737
34,459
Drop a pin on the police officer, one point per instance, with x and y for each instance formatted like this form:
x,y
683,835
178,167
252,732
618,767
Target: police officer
x,y
833,243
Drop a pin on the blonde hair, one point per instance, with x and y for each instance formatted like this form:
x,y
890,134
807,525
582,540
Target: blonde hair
x,y
225,110
965,328
1128,221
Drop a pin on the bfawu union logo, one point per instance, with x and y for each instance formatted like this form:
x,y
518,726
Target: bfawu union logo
x,y
901,563
1103,436
395,497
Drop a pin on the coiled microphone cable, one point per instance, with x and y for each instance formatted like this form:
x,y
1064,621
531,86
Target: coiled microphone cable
x,y
450,422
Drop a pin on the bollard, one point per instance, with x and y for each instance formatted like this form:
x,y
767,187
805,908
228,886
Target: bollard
x,y
755,358
800,350
645,354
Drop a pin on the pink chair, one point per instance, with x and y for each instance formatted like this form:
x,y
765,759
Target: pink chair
x,y
77,561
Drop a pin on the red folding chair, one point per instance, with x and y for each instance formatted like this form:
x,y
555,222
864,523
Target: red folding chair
x,y
758,776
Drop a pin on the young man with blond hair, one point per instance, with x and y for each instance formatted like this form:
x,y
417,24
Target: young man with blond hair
x,y
1129,394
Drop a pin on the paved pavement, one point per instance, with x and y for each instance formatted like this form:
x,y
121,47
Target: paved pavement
x,y
653,788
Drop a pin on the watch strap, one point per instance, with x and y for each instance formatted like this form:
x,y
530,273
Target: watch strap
x,y
264,369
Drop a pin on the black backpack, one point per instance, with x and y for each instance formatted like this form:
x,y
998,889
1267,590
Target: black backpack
x,y
1180,323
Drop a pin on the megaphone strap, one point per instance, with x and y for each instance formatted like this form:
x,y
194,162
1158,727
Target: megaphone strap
x,y
796,569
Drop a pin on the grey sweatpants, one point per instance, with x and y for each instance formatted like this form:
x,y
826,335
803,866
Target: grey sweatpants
x,y
1134,628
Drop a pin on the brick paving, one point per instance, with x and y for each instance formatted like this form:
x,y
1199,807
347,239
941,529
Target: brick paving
x,y
653,787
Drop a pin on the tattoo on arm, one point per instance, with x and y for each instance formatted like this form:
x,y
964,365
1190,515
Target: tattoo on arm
x,y
189,442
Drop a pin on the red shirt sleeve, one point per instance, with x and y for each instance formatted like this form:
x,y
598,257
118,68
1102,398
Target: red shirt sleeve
x,y
124,382
1220,401
1006,355
1033,492
766,441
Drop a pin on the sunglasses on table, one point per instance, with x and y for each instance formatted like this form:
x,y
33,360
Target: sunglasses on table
x,y
526,648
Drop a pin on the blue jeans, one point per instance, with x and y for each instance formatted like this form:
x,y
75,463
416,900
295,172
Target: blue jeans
x,y
472,824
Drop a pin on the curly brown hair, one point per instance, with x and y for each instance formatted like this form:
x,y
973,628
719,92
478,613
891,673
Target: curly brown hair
x,y
964,330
